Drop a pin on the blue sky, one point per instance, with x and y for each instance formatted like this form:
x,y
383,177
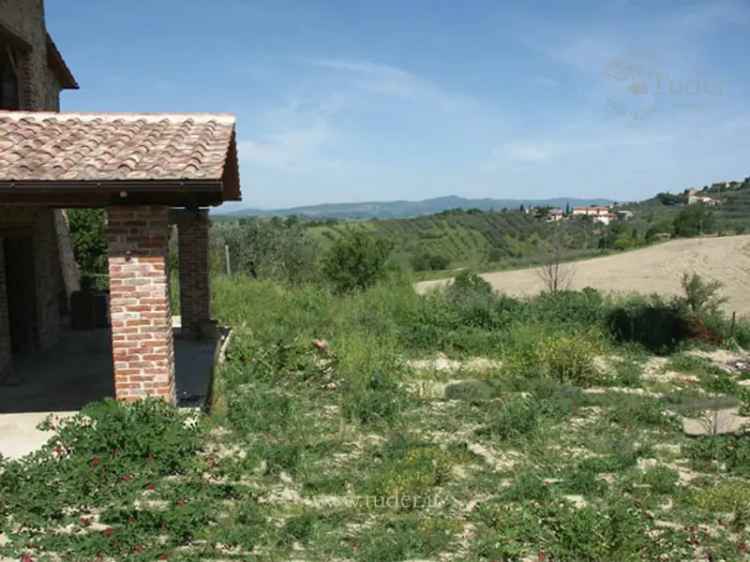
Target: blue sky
x,y
360,100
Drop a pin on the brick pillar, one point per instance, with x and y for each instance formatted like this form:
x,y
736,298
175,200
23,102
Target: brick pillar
x,y
6,359
142,344
195,289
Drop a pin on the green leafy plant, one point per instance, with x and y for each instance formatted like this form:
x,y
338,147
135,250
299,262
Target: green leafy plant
x,y
701,296
356,261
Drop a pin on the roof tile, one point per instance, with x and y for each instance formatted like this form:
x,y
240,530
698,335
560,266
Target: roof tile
x,y
109,147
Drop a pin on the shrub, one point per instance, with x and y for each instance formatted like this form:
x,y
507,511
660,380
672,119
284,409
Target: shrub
x,y
378,398
406,537
356,261
513,418
468,284
570,359
585,307
618,529
430,262
702,297
105,456
408,473
657,325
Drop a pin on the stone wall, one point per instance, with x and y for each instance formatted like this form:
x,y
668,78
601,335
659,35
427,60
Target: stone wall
x,y
25,19
142,343
40,91
39,224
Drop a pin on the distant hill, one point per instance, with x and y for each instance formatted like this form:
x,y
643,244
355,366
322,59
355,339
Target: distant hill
x,y
409,209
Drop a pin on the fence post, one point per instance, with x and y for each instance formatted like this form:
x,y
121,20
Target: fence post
x,y
734,321
227,260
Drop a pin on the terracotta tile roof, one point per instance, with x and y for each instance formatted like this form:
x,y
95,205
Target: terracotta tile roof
x,y
111,147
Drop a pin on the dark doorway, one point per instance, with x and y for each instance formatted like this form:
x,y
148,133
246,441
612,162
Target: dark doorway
x,y
19,273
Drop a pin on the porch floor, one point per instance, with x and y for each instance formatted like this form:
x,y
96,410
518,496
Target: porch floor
x,y
78,370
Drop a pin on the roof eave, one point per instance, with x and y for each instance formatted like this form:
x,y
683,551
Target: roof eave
x,y
57,63
77,193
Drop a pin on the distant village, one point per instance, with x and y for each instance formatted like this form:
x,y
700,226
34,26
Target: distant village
x,y
606,214
603,214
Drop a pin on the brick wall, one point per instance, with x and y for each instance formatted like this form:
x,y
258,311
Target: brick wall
x,y
5,352
195,289
142,344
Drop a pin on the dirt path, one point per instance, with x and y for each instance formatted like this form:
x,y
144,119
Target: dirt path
x,y
651,270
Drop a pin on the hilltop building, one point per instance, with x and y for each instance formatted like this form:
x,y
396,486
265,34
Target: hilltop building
x,y
603,215
694,199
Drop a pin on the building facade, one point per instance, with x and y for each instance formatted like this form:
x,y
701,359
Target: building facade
x,y
149,171
37,270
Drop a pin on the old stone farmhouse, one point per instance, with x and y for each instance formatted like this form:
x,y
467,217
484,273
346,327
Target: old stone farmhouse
x,y
149,171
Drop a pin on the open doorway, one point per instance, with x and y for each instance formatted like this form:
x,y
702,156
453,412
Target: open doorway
x,y
21,290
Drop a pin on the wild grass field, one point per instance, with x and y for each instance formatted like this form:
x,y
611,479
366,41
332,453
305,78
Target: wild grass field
x,y
386,426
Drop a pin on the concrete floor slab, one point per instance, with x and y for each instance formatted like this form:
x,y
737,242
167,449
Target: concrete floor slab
x,y
78,370
19,435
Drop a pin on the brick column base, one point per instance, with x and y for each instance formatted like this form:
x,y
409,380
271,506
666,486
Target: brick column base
x,y
195,289
6,358
142,343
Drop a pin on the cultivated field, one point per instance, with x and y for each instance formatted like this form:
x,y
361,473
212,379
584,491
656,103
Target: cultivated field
x,y
656,269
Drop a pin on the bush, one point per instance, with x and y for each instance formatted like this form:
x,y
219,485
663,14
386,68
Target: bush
x,y
658,325
378,398
701,297
585,307
407,475
356,261
430,262
513,418
570,359
106,456
469,284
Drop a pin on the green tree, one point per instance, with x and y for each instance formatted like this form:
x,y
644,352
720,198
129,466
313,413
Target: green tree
x,y
269,249
87,233
356,261
668,199
694,220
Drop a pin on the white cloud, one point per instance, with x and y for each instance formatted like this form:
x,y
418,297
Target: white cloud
x,y
387,80
563,144
288,149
